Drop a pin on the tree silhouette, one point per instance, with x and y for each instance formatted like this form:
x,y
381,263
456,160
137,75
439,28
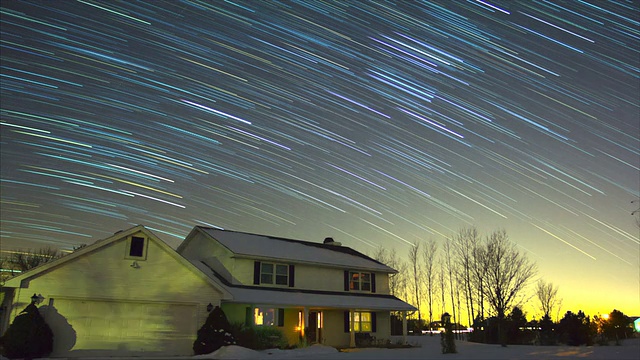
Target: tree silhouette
x,y
617,326
575,329
508,272
28,337
26,260
547,295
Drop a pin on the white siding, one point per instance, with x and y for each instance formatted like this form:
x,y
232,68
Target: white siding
x,y
104,276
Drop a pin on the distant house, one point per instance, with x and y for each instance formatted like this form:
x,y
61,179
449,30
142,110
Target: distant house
x,y
132,294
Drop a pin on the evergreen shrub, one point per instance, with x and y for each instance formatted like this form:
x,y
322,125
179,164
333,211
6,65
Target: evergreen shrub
x,y
214,334
28,337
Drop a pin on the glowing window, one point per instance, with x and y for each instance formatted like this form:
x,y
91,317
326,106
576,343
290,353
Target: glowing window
x,y
361,321
268,317
359,281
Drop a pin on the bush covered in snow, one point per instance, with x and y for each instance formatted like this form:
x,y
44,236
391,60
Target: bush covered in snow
x,y
214,334
28,337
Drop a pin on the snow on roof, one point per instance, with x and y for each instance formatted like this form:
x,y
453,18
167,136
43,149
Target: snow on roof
x,y
263,246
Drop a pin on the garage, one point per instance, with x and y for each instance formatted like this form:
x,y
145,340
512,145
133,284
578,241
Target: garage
x,y
124,327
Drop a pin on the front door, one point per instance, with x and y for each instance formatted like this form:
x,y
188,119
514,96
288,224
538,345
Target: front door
x,y
314,327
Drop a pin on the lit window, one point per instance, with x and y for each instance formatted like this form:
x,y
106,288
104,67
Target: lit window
x,y
264,316
359,281
277,274
361,321
268,317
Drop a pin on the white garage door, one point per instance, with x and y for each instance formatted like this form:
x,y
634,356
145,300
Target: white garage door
x,y
117,327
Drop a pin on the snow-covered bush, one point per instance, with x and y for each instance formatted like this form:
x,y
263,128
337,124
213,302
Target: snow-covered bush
x,y
214,334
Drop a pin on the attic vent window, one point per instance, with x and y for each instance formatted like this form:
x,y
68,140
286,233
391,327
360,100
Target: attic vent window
x,y
136,248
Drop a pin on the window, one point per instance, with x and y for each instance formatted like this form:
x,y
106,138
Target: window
x,y
362,321
359,281
268,317
277,274
136,248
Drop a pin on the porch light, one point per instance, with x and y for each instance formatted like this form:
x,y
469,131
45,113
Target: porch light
x,y
37,299
209,307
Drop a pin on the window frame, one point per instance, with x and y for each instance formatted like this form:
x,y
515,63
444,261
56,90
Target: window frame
x,y
130,243
277,317
276,278
358,322
360,281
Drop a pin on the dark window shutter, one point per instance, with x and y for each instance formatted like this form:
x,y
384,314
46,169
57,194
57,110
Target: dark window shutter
x,y
373,282
280,317
373,322
346,280
248,317
346,321
256,273
292,273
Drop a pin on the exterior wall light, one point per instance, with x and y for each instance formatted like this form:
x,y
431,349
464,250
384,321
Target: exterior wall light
x,y
209,307
37,299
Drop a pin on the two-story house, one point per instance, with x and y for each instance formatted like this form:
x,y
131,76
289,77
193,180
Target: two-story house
x,y
132,294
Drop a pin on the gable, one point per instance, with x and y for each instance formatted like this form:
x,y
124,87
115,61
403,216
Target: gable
x,y
120,267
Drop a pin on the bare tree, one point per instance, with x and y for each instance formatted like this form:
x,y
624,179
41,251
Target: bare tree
x,y
442,287
508,273
465,244
25,260
548,296
416,272
479,270
450,264
397,281
429,259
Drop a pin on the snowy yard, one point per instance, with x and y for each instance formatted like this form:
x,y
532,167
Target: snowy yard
x,y
428,347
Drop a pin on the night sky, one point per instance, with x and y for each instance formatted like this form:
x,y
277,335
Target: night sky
x,y
376,123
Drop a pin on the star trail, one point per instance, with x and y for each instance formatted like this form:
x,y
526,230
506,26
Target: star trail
x,y
376,122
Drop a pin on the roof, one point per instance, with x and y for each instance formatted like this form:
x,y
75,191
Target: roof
x,y
319,300
288,297
23,279
275,248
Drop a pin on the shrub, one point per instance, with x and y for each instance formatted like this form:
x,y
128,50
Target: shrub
x,y
214,334
547,334
575,329
28,337
259,337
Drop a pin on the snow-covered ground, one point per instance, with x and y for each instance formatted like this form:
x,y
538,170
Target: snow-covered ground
x,y
428,347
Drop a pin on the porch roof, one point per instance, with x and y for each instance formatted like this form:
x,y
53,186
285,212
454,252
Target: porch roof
x,y
320,300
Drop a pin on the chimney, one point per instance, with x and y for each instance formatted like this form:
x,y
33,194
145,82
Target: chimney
x,y
330,241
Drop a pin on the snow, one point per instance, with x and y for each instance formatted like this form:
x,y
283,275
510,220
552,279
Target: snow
x,y
428,347
425,347
292,250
